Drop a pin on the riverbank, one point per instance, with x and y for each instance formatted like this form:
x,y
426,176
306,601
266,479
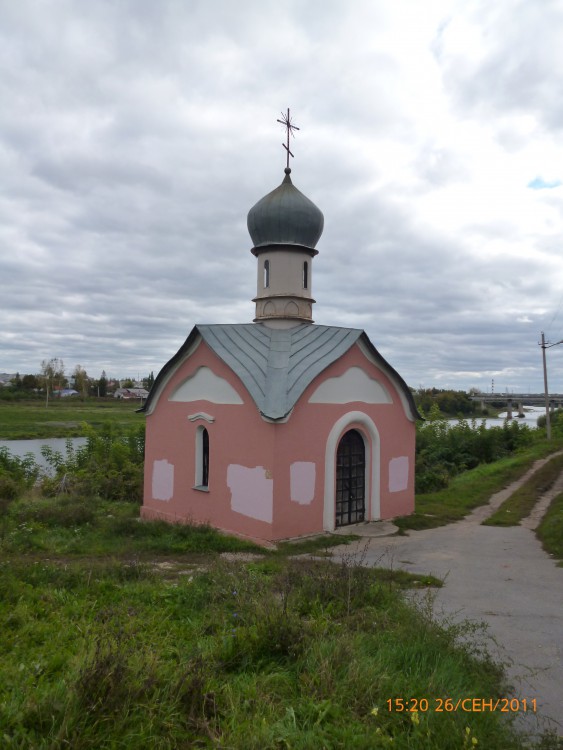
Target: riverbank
x,y
63,418
474,487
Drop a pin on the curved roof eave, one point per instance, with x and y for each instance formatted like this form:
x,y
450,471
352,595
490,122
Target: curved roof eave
x,y
400,384
276,366
169,369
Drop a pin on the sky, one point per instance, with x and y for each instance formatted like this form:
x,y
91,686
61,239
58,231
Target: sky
x,y
136,135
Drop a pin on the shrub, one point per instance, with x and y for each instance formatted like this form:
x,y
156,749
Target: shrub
x,y
16,474
109,465
444,449
9,488
555,419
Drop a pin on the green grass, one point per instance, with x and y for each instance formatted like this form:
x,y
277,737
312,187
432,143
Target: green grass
x,y
126,634
550,530
521,503
73,526
63,418
472,488
229,658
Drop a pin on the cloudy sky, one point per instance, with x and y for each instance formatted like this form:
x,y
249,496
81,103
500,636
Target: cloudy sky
x,y
136,134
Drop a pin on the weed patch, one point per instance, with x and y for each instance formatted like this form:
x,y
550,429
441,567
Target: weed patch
x,y
80,525
315,545
550,530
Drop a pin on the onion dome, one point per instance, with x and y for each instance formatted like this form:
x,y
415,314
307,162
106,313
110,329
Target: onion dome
x,y
285,217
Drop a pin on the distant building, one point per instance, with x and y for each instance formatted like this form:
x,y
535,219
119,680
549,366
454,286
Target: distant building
x,y
6,379
279,428
131,393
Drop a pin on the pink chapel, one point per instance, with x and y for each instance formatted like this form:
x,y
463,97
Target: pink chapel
x,y
279,428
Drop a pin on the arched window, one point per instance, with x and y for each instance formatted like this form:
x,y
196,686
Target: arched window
x,y
201,458
266,274
305,275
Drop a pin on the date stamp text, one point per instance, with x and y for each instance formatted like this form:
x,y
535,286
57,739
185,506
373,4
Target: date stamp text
x,y
466,705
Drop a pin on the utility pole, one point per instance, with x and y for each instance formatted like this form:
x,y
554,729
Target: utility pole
x,y
547,416
545,346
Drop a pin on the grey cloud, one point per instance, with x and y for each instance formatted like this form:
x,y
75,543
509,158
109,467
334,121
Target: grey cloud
x,y
137,135
519,71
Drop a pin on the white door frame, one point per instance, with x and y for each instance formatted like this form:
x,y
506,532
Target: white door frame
x,y
349,421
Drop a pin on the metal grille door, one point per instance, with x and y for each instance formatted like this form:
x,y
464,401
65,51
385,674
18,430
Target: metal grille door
x,y
350,479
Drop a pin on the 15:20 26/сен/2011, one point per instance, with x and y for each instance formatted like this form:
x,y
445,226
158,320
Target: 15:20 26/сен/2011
x,y
468,705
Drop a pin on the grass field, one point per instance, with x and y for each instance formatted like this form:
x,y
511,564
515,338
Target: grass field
x,y
63,418
473,488
550,530
520,504
126,634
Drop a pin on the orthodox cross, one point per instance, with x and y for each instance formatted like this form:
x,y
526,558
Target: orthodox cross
x,y
286,122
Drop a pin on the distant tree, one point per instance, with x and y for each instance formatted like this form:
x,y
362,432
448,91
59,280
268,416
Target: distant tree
x,y
30,383
103,385
52,375
17,382
80,380
127,383
148,381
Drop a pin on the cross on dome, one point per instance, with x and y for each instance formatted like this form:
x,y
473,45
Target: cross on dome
x,y
290,127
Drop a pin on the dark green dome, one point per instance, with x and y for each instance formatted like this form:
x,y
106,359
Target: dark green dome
x,y
285,217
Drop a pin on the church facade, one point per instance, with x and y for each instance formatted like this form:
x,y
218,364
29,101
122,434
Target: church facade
x,y
279,428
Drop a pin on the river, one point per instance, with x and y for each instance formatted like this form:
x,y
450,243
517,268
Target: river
x,y
20,447
530,419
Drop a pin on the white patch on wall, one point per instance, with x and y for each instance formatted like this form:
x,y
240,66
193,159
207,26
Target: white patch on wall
x,y
204,385
162,480
398,474
302,482
252,492
353,385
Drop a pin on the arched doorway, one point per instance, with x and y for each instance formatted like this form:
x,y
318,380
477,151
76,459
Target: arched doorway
x,y
350,479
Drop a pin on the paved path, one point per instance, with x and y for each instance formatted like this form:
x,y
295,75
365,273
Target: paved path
x,y
500,576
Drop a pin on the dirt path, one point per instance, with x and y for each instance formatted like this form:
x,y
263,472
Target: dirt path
x,y
500,576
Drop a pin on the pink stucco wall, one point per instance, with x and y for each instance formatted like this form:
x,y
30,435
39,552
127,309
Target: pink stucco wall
x,y
255,465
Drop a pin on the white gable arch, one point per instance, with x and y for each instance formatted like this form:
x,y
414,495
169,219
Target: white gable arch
x,y
353,385
393,376
373,465
204,385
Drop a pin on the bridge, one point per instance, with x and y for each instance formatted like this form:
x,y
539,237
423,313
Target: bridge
x,y
518,401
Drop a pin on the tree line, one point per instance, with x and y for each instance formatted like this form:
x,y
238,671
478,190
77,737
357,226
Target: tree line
x,y
53,378
450,403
